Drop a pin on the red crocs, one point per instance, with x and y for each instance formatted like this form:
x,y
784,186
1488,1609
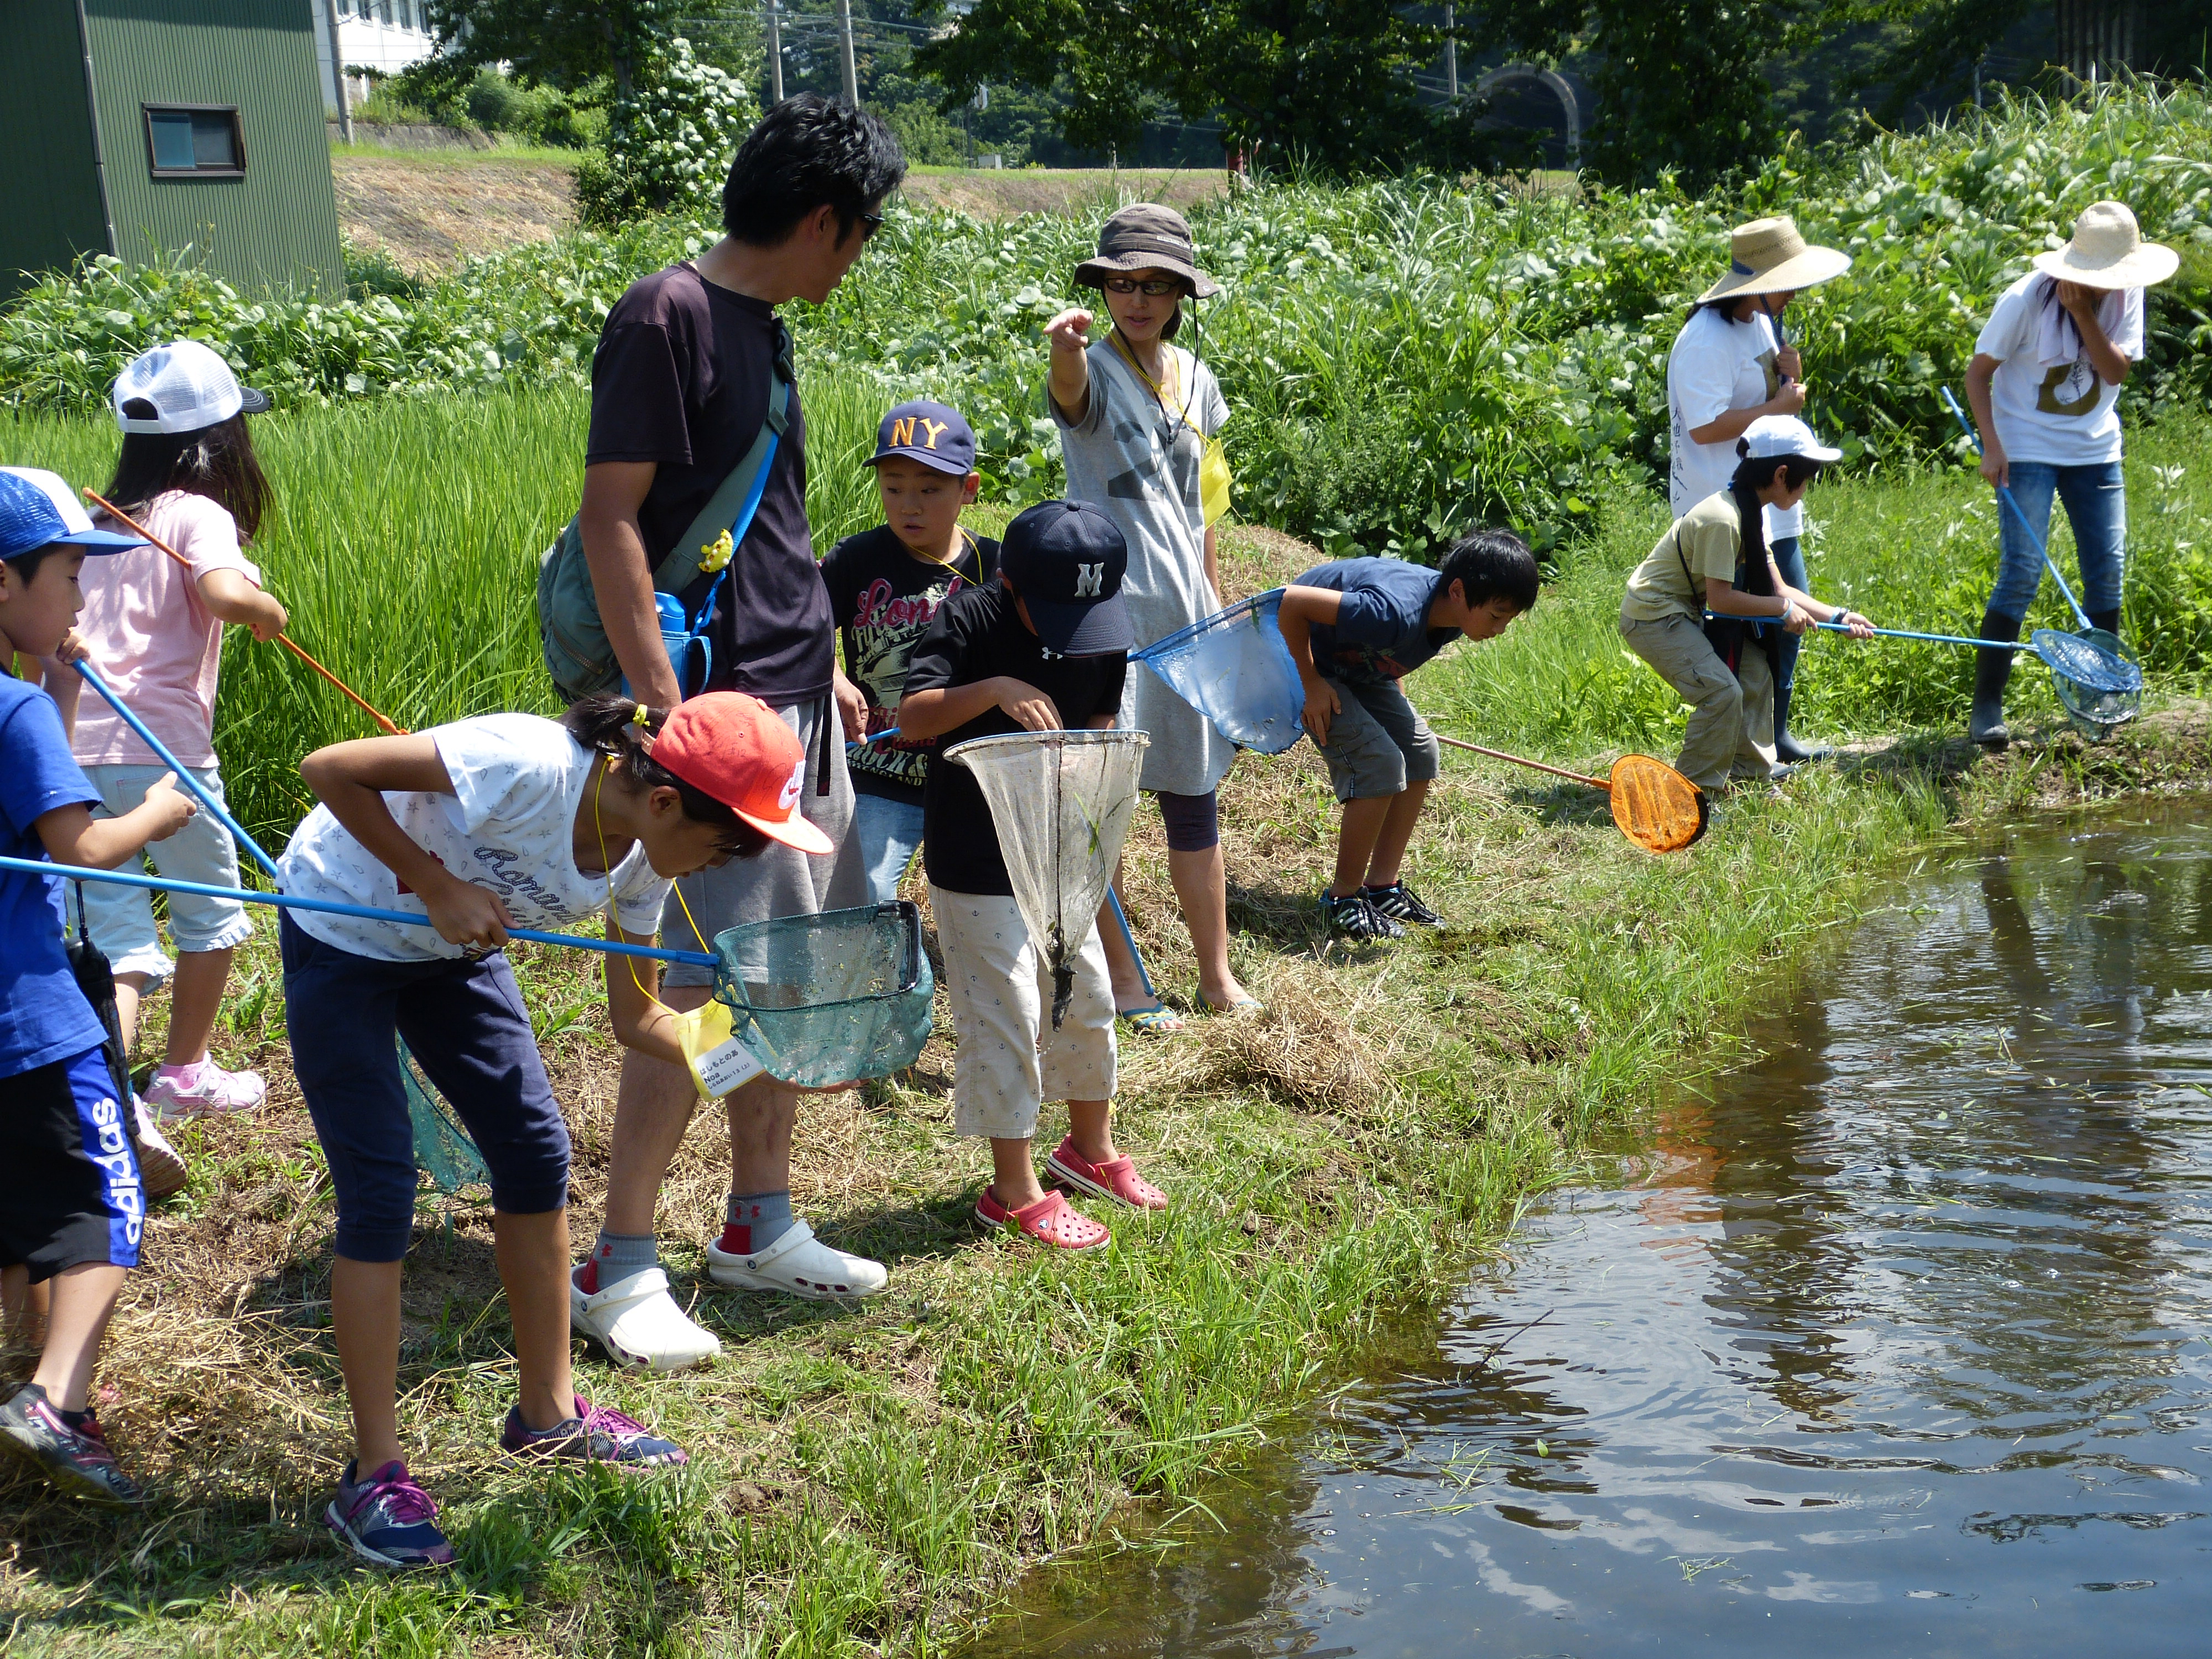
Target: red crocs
x,y
1116,1179
1051,1220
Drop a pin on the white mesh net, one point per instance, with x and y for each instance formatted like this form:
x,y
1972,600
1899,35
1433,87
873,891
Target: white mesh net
x,y
1061,803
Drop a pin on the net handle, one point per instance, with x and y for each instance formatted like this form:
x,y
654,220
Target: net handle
x,y
1605,783
2004,493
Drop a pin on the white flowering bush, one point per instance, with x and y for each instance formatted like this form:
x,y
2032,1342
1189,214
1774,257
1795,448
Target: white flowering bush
x,y
669,141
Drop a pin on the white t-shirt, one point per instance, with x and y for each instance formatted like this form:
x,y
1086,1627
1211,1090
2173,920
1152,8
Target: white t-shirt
x,y
518,782
1716,366
2060,413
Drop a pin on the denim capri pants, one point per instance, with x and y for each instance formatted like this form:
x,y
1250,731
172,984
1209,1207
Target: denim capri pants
x,y
2096,507
122,918
465,1023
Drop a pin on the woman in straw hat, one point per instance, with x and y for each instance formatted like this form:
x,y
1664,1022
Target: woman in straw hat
x,y
2045,387
1135,415
1730,365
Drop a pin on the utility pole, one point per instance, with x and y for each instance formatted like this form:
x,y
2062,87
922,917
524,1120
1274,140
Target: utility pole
x,y
337,71
845,50
774,52
1451,52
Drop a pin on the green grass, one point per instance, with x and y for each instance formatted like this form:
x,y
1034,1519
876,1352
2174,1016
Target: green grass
x,y
866,1481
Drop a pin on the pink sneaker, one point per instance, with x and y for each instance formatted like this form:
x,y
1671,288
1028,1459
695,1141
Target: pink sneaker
x,y
203,1089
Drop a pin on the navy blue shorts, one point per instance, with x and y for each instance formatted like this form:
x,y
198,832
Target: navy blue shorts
x,y
471,1034
70,1187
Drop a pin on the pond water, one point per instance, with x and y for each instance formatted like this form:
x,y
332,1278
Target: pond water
x,y
1898,1343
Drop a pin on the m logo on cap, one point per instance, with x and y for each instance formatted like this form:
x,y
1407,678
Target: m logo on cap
x,y
789,798
1090,579
903,431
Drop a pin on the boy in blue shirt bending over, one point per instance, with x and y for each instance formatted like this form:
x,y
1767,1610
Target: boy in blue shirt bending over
x,y
1356,627
72,1202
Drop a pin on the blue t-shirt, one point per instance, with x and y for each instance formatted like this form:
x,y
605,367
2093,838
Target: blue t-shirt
x,y
43,1017
1381,628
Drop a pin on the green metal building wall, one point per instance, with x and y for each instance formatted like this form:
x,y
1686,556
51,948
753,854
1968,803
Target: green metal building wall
x,y
274,227
278,225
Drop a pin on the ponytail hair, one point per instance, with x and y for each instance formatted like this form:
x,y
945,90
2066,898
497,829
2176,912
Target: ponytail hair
x,y
216,461
611,725
1753,474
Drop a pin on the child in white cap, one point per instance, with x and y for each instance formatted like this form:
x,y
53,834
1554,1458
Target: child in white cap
x,y
153,630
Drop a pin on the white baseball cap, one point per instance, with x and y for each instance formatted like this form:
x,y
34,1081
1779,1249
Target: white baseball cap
x,y
189,386
1776,436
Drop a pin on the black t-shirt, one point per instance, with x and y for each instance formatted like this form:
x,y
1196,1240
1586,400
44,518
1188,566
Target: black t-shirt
x,y
884,598
977,635
681,379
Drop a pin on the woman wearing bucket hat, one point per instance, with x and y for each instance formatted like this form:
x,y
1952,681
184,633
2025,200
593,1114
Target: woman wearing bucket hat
x,y
1730,365
1135,416
2045,388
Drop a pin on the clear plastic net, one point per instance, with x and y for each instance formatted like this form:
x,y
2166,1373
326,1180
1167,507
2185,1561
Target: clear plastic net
x,y
443,1150
2093,706
1061,803
1234,669
829,999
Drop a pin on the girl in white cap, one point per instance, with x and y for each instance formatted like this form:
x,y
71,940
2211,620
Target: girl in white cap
x,y
153,630
2045,387
1729,366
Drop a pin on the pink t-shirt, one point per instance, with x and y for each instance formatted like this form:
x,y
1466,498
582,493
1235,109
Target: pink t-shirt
x,y
153,638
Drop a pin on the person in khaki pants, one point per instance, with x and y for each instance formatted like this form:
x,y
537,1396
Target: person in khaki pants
x,y
1715,557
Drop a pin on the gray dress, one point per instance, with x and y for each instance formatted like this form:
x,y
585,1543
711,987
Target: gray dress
x,y
1139,465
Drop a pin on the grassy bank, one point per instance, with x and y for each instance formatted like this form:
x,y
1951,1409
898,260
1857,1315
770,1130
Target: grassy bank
x,y
866,1479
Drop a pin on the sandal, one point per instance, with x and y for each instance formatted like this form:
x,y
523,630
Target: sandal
x,y
798,1264
1116,1178
1158,1020
1051,1220
1241,1008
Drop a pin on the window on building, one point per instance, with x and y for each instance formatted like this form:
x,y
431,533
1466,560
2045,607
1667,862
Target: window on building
x,y
194,141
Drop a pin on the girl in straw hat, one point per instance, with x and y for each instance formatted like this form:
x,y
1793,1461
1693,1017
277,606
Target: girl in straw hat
x,y
2045,387
1729,366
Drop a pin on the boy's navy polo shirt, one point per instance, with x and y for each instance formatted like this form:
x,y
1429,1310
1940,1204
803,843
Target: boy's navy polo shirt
x,y
43,1017
1382,626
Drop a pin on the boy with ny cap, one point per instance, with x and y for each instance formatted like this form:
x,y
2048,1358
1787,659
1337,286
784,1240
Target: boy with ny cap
x,y
885,585
1045,648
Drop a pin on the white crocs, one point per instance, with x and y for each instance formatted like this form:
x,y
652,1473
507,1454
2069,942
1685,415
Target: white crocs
x,y
638,1323
799,1264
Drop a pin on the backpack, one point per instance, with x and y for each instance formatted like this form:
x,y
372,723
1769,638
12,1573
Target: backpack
x,y
570,630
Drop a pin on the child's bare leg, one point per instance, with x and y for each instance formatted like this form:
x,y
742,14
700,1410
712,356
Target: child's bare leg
x,y
1128,984
1356,842
83,1297
23,1304
533,1265
1091,1127
1013,1173
365,1319
194,999
129,991
1396,834
1201,884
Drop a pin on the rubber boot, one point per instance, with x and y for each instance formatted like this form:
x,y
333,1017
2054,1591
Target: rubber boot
x,y
2106,621
1986,725
1787,749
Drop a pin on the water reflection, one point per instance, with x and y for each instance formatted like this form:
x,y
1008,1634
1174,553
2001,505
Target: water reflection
x,y
1897,1344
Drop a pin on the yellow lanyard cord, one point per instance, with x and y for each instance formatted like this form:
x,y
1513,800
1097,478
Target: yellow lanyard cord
x,y
1182,409
606,866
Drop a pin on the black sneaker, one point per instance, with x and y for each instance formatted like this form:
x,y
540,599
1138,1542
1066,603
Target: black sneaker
x,y
1401,904
76,1460
1353,918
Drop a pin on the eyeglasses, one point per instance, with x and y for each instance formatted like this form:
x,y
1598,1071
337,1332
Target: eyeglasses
x,y
1156,287
870,224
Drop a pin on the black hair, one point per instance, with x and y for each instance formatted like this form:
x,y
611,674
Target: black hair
x,y
607,723
1753,474
216,461
1491,563
26,565
809,152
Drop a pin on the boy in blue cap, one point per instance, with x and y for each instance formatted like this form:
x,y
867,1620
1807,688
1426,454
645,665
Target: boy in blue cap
x,y
1044,648
885,585
1356,627
72,1199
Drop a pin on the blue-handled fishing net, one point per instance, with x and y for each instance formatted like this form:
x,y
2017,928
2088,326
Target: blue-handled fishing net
x,y
829,999
2095,694
442,1148
1234,669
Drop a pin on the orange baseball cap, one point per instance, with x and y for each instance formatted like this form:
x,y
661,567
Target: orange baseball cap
x,y
734,748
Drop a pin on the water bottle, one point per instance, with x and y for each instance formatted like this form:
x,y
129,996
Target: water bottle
x,y
688,653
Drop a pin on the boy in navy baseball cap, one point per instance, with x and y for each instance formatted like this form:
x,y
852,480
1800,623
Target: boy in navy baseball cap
x,y
1044,648
885,585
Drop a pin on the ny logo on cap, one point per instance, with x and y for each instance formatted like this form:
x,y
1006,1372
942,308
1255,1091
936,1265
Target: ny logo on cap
x,y
903,431
1088,580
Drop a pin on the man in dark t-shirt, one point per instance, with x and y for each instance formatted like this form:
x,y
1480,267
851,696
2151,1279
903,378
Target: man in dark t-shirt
x,y
680,389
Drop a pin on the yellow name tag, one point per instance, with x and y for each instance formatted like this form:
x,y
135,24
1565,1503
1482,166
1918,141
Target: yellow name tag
x,y
719,1063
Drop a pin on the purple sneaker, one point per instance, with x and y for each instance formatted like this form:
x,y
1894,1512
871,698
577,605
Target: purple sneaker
x,y
76,1460
386,1518
596,1434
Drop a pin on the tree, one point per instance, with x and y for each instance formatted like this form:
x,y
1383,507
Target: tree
x,y
560,43
1329,82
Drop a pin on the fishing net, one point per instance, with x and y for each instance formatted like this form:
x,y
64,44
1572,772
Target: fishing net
x,y
2094,705
1654,805
831,998
442,1147
1234,669
1061,803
